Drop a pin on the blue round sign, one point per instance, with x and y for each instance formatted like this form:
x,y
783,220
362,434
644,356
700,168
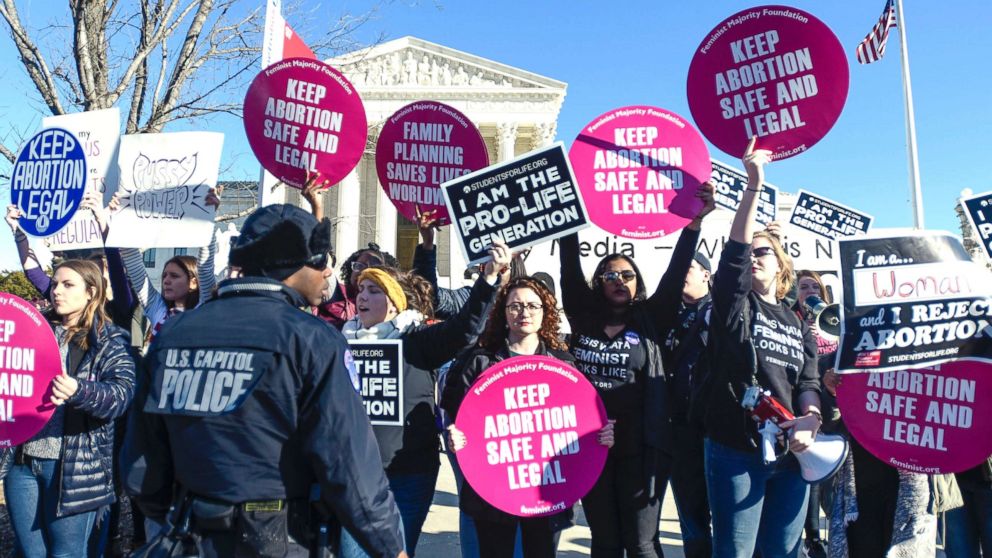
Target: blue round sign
x,y
48,181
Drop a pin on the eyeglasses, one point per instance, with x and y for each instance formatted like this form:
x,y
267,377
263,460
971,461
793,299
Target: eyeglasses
x,y
519,307
762,251
359,266
319,261
626,276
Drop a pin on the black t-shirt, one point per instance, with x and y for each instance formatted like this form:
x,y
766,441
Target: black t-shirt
x,y
781,351
616,367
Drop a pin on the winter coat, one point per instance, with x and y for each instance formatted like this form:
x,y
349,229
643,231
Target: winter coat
x,y
105,373
414,446
291,420
462,375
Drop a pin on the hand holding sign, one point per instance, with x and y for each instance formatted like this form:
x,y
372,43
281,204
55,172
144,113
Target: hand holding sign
x,y
427,221
456,438
64,386
754,161
706,194
13,214
605,435
501,256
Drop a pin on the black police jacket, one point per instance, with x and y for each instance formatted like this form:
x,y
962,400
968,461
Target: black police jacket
x,y
249,398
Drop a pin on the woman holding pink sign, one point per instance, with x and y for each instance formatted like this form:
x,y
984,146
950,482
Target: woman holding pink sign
x,y
63,475
524,321
762,358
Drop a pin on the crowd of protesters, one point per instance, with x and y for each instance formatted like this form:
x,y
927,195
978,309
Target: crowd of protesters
x,y
276,466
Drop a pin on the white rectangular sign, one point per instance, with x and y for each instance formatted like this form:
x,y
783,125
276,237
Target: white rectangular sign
x,y
99,131
164,182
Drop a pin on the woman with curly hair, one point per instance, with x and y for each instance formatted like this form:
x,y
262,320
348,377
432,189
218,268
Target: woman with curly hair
x,y
524,321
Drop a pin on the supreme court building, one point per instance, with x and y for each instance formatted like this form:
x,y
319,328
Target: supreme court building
x,y
515,110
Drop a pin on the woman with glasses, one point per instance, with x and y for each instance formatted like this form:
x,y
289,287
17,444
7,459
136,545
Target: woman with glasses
x,y
393,305
757,340
617,337
524,321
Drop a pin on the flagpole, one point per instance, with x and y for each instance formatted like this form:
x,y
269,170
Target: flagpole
x,y
915,193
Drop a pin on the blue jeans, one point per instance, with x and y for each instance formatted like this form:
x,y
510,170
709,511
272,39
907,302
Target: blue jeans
x,y
467,536
32,493
754,504
413,494
969,529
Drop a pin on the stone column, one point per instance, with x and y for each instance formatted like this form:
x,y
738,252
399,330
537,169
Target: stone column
x,y
506,139
544,134
346,224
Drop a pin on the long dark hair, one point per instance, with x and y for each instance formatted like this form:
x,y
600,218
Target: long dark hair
x,y
188,265
94,313
494,337
599,299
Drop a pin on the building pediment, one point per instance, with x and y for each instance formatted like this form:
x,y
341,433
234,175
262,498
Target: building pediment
x,y
413,64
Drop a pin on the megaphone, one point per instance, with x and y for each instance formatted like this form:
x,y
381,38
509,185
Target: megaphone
x,y
827,316
823,458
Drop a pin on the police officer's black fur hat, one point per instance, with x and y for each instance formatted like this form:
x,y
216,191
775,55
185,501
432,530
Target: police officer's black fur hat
x,y
276,240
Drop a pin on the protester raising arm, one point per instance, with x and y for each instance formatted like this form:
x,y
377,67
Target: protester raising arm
x,y
575,291
187,283
29,261
450,336
447,302
122,303
664,302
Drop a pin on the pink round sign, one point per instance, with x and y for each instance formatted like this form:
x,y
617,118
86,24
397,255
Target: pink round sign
x,y
29,360
422,146
926,420
772,71
638,169
531,424
302,117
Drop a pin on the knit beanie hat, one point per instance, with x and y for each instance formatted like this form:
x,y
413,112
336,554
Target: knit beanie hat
x,y
276,240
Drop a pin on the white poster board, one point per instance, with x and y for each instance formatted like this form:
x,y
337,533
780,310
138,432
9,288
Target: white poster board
x,y
164,182
99,131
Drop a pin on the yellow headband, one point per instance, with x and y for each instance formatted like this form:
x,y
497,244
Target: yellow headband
x,y
389,285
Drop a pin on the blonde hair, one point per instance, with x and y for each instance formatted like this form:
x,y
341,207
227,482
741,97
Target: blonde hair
x,y
786,275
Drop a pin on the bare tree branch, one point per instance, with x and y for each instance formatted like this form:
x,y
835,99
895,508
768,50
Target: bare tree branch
x,y
32,58
8,154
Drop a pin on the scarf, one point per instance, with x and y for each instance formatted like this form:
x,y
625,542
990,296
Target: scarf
x,y
844,509
914,531
393,329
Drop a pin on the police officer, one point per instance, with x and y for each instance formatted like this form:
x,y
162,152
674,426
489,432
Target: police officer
x,y
247,408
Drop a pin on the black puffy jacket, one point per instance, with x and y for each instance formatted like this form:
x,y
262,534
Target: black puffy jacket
x,y
462,375
105,372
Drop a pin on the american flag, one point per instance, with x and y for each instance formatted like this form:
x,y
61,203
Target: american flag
x,y
873,47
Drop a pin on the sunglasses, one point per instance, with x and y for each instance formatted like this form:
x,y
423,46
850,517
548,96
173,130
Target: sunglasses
x,y
359,266
762,251
319,261
624,276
